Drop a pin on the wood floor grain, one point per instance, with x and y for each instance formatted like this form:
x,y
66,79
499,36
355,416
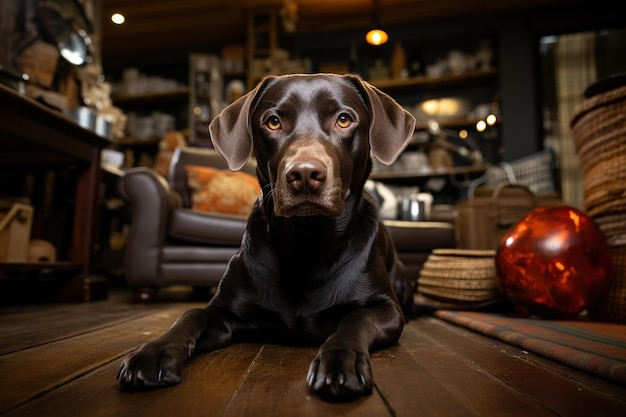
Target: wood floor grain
x,y
62,359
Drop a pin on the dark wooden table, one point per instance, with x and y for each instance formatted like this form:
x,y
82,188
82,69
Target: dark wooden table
x,y
35,137
61,360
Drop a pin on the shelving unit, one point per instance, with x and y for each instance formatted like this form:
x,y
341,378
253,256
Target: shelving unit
x,y
262,42
141,151
170,102
427,86
451,123
206,95
463,171
429,83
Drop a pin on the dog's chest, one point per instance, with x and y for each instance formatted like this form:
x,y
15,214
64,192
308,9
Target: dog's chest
x,y
312,316
307,298
318,265
304,276
316,296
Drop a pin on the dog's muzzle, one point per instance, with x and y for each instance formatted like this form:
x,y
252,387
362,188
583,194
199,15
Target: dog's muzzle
x,y
308,184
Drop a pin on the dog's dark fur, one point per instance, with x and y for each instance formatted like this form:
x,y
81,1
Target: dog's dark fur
x,y
316,265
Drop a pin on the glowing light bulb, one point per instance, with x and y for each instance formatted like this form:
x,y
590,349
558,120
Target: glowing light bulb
x,y
118,18
481,125
376,37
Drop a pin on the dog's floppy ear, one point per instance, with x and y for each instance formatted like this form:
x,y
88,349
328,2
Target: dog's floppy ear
x,y
230,129
391,126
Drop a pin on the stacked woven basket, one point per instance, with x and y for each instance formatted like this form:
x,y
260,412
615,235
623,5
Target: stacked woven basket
x,y
599,129
460,278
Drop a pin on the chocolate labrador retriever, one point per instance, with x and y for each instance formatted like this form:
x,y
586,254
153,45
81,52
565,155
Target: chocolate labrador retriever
x,y
316,265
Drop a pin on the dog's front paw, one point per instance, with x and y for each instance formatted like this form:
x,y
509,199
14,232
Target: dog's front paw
x,y
340,374
151,366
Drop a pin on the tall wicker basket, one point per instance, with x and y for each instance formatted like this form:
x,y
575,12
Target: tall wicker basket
x,y
599,129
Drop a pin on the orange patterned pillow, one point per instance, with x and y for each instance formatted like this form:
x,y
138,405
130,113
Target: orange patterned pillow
x,y
221,191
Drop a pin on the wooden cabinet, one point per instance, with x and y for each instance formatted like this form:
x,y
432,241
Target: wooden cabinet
x,y
37,141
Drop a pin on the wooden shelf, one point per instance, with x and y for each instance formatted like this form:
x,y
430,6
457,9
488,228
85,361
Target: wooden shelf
x,y
460,122
152,99
451,123
413,178
41,268
400,85
229,75
137,143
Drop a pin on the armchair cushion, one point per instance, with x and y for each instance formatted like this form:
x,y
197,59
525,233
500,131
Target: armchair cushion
x,y
221,191
192,226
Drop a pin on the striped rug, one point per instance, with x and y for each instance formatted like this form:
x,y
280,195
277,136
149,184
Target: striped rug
x,y
592,347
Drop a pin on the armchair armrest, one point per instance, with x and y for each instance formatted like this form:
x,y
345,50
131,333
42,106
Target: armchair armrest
x,y
152,201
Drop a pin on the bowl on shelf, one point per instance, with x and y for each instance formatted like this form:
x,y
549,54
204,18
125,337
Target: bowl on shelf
x,y
442,109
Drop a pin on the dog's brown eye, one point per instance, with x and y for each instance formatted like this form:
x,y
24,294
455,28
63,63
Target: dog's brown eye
x,y
273,123
344,120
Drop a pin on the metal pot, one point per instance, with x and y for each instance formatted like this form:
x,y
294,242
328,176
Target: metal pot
x,y
412,209
89,119
84,116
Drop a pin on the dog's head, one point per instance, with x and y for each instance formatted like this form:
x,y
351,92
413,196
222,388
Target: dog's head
x,y
312,136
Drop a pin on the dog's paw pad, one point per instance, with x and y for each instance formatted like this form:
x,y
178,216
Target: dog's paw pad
x,y
338,375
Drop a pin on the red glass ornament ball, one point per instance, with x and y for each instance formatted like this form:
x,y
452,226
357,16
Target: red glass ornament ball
x,y
554,263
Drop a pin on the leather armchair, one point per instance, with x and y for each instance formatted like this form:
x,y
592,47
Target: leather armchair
x,y
171,244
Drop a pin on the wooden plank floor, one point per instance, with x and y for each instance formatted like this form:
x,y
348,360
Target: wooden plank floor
x,y
61,360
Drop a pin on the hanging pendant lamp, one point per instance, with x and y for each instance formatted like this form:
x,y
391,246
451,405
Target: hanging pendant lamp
x,y
376,36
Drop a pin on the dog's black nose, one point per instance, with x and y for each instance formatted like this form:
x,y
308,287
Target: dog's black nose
x,y
306,176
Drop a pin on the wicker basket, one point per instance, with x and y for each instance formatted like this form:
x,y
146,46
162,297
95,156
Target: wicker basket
x,y
483,220
612,306
459,277
599,129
